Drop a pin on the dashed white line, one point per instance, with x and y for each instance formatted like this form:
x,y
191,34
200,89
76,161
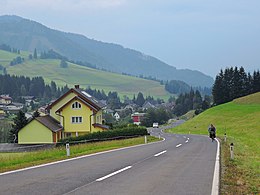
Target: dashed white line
x,y
187,141
114,173
178,145
160,153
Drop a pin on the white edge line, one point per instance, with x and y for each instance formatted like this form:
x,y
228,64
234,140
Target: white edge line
x,y
158,154
75,158
178,145
114,173
215,183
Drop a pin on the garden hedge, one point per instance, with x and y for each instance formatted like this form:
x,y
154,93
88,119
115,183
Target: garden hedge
x,y
126,132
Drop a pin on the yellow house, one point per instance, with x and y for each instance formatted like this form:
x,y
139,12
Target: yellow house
x,y
76,112
44,130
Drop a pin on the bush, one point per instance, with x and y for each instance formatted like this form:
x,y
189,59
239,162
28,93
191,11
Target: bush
x,y
110,134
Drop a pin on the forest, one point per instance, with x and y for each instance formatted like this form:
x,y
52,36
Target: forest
x,y
234,83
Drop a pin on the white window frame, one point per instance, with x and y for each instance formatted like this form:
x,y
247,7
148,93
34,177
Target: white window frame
x,y
76,106
76,119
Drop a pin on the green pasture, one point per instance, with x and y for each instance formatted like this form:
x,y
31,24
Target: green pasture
x,y
6,57
50,70
240,120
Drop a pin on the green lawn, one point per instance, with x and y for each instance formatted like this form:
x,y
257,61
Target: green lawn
x,y
241,123
12,161
50,70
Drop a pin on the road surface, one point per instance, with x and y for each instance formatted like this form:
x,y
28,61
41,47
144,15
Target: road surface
x,y
181,164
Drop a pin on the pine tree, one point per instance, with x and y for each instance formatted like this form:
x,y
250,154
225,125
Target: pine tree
x,y
140,99
256,82
35,56
19,122
63,64
217,89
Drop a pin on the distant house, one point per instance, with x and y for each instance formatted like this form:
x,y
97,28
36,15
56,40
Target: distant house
x,y
148,105
28,100
117,116
132,107
109,111
74,113
137,117
5,99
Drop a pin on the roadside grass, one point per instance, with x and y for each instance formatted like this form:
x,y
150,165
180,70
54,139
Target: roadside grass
x,y
241,123
13,161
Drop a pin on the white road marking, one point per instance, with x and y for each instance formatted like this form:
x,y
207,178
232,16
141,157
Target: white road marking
x,y
160,153
114,173
187,141
215,183
188,138
178,145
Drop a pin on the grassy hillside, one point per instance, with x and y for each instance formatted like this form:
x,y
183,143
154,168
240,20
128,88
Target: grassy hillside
x,y
6,57
27,35
75,74
240,120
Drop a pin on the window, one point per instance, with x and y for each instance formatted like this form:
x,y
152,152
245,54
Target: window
x,y
76,119
68,134
76,105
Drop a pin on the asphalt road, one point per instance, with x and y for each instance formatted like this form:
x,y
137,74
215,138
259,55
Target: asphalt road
x,y
181,164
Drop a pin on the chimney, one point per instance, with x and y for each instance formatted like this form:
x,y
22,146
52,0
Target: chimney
x,y
76,86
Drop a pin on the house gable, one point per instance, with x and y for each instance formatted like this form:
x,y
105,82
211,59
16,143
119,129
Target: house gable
x,y
76,120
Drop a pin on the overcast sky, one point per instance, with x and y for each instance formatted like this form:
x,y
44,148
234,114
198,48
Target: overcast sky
x,y
204,35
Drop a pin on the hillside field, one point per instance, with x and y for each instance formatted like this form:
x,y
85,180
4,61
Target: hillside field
x,y
51,71
240,120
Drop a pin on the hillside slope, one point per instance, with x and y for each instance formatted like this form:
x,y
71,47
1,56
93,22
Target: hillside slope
x,y
50,70
27,35
240,121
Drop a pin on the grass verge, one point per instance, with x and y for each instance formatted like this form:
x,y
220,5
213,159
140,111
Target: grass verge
x,y
241,124
13,161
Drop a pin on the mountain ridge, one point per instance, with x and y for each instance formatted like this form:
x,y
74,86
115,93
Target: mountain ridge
x,y
27,35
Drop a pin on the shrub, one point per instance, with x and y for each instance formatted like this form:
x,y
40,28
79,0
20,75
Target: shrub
x,y
105,135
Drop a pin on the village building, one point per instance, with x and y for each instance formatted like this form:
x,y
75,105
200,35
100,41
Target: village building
x,y
137,117
73,114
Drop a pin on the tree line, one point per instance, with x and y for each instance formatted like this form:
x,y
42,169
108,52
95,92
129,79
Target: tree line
x,y
191,101
18,86
9,49
233,83
178,87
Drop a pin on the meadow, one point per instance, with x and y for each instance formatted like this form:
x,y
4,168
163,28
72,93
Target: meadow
x,y
50,70
240,121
